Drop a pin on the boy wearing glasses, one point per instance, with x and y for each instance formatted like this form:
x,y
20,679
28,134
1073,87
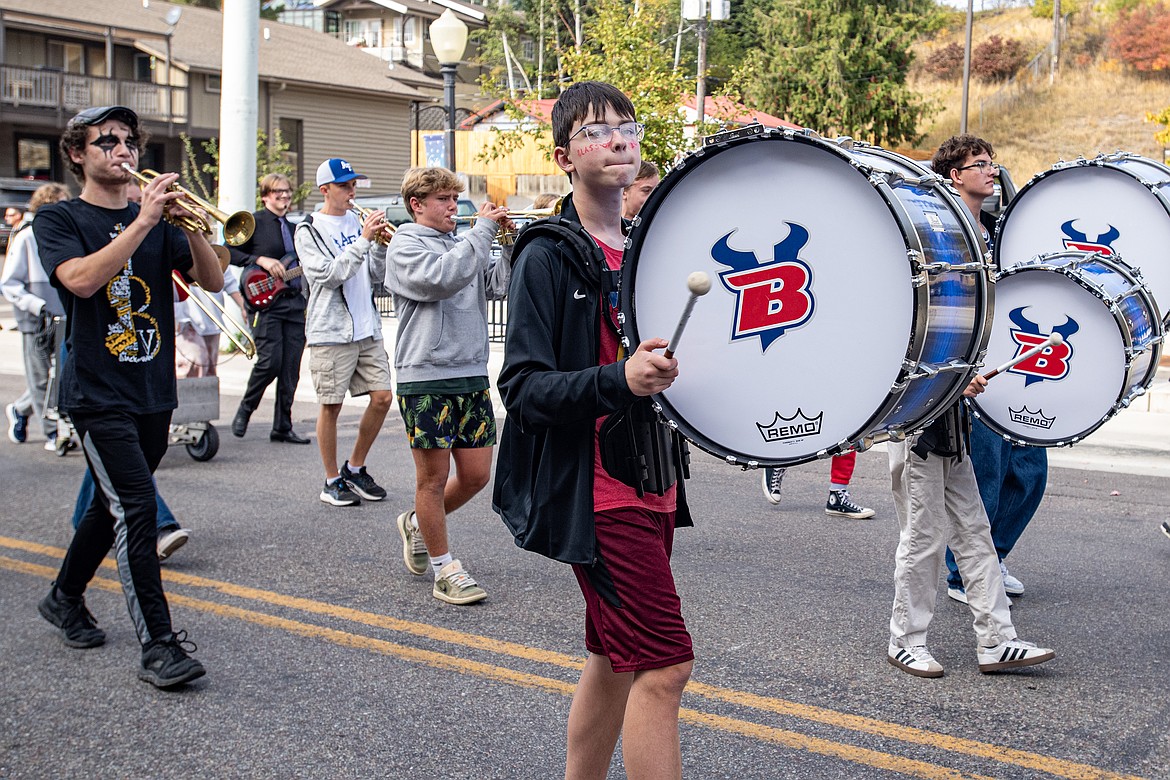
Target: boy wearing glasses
x,y
565,371
280,328
1011,477
938,504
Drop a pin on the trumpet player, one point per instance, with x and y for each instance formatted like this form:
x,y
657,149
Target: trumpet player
x,y
441,283
111,262
342,328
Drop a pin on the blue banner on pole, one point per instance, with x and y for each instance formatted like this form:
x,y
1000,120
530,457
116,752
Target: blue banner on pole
x,y
435,149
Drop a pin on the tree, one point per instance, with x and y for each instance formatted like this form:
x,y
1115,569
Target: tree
x,y
624,47
996,59
1162,118
1141,37
269,159
838,66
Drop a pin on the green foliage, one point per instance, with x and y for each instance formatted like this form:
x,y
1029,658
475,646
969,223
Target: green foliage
x,y
197,169
1141,37
996,59
625,49
1042,9
838,66
1162,118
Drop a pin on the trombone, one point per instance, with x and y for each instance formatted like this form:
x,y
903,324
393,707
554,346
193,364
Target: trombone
x,y
223,320
506,237
237,227
387,233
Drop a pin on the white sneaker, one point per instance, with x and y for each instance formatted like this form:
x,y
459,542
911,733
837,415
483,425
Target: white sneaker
x,y
1012,654
1011,585
915,660
960,595
170,541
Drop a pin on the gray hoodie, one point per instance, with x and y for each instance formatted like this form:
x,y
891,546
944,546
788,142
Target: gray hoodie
x,y
327,318
441,284
25,282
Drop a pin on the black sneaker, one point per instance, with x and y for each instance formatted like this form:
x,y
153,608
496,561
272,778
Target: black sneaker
x,y
840,504
17,425
339,494
166,663
772,480
78,627
362,483
1166,527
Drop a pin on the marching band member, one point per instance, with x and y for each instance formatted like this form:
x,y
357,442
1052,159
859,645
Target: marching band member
x,y
1011,477
441,284
342,263
565,376
938,503
111,262
279,331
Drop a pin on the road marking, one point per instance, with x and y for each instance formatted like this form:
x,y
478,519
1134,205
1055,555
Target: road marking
x,y
909,734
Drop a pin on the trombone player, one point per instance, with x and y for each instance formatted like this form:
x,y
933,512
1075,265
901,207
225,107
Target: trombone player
x,y
111,261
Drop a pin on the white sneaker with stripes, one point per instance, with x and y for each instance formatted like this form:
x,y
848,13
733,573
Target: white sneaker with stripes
x,y
915,660
1012,654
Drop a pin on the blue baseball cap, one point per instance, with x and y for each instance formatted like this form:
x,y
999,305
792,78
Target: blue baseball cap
x,y
336,171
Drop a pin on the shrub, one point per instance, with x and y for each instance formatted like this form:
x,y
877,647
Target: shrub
x,y
997,59
1043,8
945,62
1141,37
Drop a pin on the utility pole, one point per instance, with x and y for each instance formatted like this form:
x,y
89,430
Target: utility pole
x,y
696,11
967,66
1055,41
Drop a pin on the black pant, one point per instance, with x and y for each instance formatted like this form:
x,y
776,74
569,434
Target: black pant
x,y
280,342
123,450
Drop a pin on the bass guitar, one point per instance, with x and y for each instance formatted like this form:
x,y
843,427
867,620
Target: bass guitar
x,y
261,289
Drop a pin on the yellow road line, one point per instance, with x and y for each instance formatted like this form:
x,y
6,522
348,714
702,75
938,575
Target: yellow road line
x,y
1035,761
791,739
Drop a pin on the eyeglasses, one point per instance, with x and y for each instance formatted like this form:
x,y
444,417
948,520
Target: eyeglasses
x,y
281,193
631,131
982,166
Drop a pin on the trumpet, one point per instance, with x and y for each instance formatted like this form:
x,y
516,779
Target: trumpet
x,y
237,227
387,231
222,321
506,237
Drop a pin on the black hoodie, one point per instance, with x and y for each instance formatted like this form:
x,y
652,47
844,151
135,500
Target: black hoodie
x,y
554,391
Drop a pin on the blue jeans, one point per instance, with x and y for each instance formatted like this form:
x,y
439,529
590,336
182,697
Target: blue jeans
x,y
1011,483
166,519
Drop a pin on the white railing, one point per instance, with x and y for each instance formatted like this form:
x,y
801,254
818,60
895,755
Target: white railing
x,y
53,89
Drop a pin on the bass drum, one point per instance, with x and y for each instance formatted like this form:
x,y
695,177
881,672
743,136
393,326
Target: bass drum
x,y
1113,204
850,300
1112,340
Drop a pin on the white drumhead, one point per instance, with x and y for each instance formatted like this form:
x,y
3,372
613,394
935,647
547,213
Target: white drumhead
x,y
831,372
1100,202
1075,385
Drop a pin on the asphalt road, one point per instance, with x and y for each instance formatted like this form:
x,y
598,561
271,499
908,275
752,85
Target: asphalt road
x,y
327,659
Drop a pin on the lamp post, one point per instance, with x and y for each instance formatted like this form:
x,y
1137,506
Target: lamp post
x,y
449,39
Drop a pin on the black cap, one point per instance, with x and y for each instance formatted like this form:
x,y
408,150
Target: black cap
x,y
99,114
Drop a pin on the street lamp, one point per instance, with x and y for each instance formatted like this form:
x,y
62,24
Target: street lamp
x,y
449,39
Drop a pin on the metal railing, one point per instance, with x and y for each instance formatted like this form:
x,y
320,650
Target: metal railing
x,y
69,92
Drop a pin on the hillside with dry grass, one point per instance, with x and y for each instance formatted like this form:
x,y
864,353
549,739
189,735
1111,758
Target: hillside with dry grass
x,y
1092,106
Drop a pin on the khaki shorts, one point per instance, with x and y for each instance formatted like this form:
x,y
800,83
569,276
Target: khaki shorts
x,y
359,367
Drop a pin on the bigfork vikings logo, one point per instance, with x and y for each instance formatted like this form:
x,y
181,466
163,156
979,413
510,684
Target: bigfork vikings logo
x,y
1078,240
770,297
1050,363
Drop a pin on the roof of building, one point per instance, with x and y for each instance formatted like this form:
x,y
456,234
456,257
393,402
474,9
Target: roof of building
x,y
286,53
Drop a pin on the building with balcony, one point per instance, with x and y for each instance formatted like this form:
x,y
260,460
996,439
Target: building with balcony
x,y
325,98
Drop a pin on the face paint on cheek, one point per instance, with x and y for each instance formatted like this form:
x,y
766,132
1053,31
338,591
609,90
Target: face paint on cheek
x,y
593,148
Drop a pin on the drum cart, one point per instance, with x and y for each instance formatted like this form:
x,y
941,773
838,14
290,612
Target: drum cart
x,y
191,423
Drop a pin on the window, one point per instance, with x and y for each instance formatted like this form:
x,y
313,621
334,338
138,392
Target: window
x,y
408,29
34,158
144,67
213,82
528,49
69,57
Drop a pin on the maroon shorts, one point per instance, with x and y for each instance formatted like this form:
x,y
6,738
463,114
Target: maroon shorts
x,y
647,630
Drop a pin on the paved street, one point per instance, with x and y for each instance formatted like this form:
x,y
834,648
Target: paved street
x,y
327,659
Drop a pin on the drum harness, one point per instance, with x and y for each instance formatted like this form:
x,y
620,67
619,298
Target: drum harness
x,y
637,448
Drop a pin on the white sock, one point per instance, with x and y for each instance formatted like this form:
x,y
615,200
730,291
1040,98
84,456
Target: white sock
x,y
440,562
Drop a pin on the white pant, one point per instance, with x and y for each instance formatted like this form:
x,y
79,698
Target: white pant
x,y
938,505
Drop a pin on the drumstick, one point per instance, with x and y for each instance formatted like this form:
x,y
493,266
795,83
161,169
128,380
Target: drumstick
x,y
699,284
1052,340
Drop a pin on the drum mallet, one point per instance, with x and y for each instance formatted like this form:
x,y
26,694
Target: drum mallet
x,y
699,283
1052,340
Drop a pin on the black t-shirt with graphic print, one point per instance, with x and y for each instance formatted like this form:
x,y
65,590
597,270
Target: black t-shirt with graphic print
x,y
120,340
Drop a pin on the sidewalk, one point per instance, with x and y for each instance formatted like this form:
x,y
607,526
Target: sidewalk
x,y
1135,441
